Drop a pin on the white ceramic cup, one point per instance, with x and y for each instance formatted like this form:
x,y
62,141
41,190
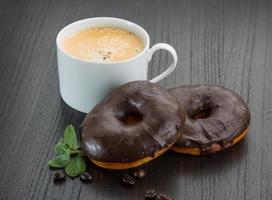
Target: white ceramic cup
x,y
84,83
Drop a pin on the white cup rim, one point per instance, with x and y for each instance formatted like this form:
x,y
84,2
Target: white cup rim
x,y
105,18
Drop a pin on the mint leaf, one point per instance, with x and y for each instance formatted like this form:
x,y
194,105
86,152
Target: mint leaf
x,y
58,162
60,147
76,166
70,138
69,155
61,160
61,141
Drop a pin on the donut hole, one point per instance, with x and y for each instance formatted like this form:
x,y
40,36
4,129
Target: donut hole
x,y
131,118
202,113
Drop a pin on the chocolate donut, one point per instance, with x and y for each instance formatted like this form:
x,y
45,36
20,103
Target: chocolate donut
x,y
216,118
134,124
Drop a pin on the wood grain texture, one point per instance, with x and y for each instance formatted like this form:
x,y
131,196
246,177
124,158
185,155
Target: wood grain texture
x,y
224,42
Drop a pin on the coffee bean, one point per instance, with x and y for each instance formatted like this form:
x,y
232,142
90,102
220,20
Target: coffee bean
x,y
139,173
215,148
59,177
86,177
128,180
163,197
150,195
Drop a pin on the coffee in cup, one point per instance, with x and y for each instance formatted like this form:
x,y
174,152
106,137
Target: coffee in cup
x,y
85,81
103,44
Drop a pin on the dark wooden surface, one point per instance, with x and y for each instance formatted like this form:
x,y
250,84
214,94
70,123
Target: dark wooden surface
x,y
225,42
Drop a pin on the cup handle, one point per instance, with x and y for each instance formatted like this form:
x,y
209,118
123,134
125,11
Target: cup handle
x,y
170,69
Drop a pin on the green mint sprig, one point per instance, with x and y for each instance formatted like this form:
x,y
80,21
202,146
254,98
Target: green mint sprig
x,y
68,154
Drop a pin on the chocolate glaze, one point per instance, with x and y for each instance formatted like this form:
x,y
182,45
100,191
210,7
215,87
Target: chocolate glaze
x,y
214,116
107,137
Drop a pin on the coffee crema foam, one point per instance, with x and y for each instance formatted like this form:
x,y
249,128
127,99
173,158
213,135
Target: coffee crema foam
x,y
103,44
